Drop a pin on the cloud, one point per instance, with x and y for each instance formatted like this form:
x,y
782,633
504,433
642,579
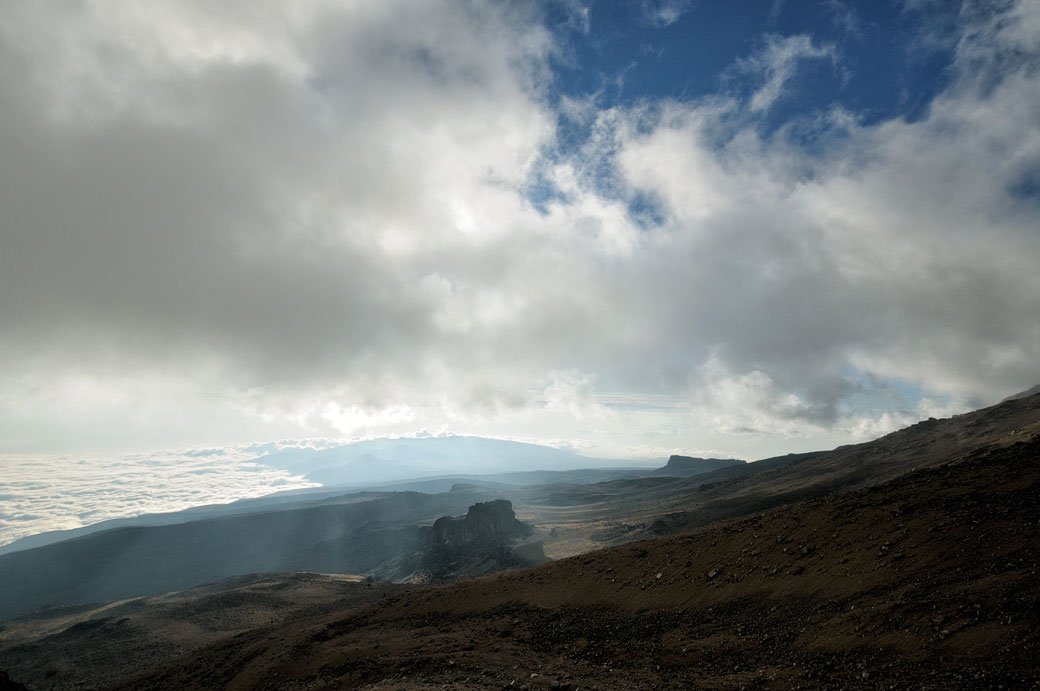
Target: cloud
x,y
573,393
226,224
664,12
577,15
751,402
845,18
355,420
60,493
262,199
775,65
900,250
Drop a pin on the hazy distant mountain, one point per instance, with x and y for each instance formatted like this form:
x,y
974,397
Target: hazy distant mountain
x,y
384,460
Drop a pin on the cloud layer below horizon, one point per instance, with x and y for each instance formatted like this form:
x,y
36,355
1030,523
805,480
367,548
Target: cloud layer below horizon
x,y
226,224
41,494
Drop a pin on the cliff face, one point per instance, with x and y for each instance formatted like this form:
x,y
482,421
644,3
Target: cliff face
x,y
479,542
488,523
688,466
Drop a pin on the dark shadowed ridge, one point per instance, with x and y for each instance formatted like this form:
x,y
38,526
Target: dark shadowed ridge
x,y
359,536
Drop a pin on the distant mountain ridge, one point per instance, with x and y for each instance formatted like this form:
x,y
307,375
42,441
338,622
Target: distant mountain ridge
x,y
688,466
385,460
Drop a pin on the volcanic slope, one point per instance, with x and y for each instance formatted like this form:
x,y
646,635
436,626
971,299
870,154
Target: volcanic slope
x,y
580,518
88,646
926,581
355,537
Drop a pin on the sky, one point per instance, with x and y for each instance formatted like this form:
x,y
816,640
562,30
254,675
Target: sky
x,y
628,229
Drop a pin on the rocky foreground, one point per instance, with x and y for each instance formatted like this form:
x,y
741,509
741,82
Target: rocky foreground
x,y
928,581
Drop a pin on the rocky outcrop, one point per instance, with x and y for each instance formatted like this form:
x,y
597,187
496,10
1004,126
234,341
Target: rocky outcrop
x,y
479,542
487,523
688,466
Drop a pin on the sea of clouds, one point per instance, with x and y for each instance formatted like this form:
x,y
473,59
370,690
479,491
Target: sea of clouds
x,y
43,493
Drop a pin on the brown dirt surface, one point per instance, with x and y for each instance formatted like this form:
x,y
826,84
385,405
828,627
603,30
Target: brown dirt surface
x,y
926,581
86,647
